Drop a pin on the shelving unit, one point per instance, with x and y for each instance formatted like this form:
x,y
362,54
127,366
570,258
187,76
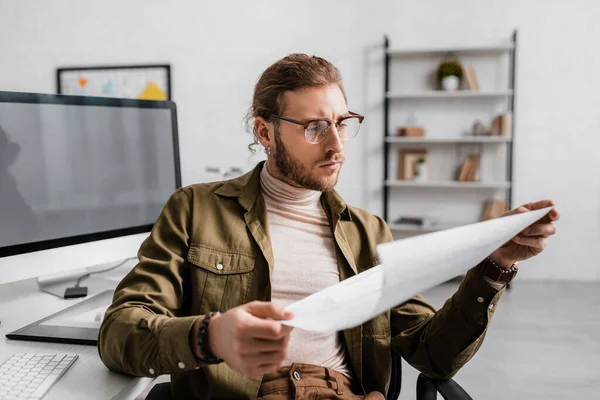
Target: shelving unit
x,y
440,140
417,229
438,94
449,184
450,139
458,49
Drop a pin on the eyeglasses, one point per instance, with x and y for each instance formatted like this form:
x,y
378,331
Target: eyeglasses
x,y
315,130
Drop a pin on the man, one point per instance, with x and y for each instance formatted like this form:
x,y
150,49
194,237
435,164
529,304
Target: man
x,y
225,258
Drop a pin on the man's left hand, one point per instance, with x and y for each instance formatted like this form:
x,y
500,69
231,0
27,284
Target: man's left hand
x,y
532,240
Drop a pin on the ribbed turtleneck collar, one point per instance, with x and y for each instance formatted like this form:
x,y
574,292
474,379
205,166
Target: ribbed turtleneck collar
x,y
285,193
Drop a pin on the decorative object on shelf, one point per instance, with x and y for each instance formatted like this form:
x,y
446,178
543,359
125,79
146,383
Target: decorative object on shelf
x,y
469,169
450,83
225,173
420,222
479,129
469,79
493,209
502,125
449,74
410,131
416,221
408,168
421,170
145,82
411,128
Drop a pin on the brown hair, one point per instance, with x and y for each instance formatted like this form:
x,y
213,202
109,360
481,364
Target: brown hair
x,y
294,72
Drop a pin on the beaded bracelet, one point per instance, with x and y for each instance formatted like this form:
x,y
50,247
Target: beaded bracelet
x,y
207,355
509,269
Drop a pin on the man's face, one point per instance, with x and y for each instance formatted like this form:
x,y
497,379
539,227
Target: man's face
x,y
312,166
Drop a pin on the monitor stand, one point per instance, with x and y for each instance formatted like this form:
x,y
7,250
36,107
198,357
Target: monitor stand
x,y
57,284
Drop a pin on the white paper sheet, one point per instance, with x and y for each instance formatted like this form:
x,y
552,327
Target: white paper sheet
x,y
409,267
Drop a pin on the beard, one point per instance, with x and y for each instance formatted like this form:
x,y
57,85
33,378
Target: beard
x,y
294,170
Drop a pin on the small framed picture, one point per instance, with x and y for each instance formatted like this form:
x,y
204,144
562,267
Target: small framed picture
x,y
145,82
412,165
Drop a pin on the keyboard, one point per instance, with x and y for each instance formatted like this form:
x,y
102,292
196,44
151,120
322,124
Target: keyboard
x,y
31,375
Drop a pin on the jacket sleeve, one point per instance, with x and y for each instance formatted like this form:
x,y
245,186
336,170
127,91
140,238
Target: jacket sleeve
x,y
145,331
439,343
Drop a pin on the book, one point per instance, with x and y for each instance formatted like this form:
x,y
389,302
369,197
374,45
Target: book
x,y
417,221
472,174
493,209
506,125
470,79
502,125
469,169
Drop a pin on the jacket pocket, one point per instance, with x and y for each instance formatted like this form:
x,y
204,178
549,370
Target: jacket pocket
x,y
220,278
218,261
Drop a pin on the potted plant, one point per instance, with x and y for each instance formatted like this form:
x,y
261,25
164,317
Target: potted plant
x,y
421,170
449,74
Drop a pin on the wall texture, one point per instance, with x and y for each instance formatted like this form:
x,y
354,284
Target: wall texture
x,y
217,51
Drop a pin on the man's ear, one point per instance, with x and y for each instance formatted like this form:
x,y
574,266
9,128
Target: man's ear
x,y
264,132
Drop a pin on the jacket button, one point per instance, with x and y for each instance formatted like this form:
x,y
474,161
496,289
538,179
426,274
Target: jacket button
x,y
151,371
181,365
219,266
296,375
480,299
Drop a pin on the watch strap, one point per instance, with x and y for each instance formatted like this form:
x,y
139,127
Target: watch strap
x,y
495,273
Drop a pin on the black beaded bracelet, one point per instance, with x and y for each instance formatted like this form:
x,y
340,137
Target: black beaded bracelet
x,y
207,355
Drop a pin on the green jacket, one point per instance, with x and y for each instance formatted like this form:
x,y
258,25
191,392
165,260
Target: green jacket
x,y
146,330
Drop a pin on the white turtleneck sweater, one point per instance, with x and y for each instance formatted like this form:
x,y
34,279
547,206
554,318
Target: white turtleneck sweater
x,y
304,262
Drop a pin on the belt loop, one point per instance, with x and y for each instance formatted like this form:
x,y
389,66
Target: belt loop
x,y
291,375
332,377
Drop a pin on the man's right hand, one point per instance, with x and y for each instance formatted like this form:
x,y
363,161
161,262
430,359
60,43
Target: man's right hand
x,y
248,338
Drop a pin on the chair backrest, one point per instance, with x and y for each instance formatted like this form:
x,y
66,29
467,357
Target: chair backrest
x,y
396,377
160,391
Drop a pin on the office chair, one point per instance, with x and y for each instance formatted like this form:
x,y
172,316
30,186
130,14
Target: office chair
x,y
427,388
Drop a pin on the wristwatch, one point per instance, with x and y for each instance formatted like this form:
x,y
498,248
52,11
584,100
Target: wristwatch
x,y
489,269
207,355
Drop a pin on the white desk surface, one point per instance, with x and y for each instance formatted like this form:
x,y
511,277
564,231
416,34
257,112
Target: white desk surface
x,y
21,303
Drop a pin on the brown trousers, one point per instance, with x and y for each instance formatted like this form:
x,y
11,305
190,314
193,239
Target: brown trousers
x,y
305,381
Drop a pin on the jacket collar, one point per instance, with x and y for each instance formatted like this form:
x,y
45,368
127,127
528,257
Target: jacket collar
x,y
247,188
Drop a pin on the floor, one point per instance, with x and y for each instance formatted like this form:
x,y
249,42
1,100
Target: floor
x,y
543,343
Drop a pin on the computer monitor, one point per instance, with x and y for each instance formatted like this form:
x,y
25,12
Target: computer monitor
x,y
82,179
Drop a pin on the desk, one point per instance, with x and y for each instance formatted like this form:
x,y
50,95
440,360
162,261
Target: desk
x,y
21,303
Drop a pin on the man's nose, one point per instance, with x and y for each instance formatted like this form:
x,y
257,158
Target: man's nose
x,y
333,141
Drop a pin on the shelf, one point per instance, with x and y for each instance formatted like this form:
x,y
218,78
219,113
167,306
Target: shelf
x,y
463,139
444,50
449,184
440,94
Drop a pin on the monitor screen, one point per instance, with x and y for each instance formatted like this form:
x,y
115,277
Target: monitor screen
x,y
76,169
